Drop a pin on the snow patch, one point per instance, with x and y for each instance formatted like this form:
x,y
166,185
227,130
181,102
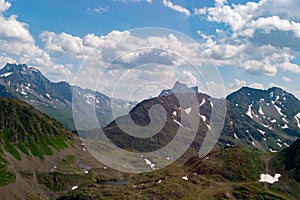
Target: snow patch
x,y
188,110
177,122
297,117
203,117
279,144
278,110
174,113
75,187
261,131
285,120
211,104
269,179
24,93
285,126
249,112
286,144
273,151
6,74
202,102
148,162
236,137
208,126
261,111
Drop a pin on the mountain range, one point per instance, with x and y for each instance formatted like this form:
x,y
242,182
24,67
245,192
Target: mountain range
x,y
55,99
256,157
264,119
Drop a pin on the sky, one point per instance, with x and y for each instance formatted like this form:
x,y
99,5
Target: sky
x,y
132,49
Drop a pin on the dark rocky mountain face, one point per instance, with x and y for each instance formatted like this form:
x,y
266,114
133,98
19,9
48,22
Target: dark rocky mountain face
x,y
54,99
288,160
264,119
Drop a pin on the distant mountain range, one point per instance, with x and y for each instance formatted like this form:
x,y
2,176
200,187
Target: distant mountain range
x,y
268,120
54,99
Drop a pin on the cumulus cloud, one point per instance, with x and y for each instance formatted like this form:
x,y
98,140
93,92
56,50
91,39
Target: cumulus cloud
x,y
134,1
237,84
18,45
286,79
251,31
13,30
177,8
98,9
257,86
4,5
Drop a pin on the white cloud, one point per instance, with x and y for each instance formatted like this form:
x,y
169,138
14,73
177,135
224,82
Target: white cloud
x,y
134,1
270,85
237,84
220,2
290,67
200,11
13,30
283,8
4,5
257,86
98,9
18,45
297,94
177,8
236,44
286,79
190,78
117,43
126,51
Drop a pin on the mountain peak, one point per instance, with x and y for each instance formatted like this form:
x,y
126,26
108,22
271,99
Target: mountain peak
x,y
23,68
179,88
14,67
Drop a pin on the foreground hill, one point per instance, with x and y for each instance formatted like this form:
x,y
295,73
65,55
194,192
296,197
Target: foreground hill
x,y
231,173
33,145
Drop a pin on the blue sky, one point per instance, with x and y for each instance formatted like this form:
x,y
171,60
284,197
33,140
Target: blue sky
x,y
253,43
